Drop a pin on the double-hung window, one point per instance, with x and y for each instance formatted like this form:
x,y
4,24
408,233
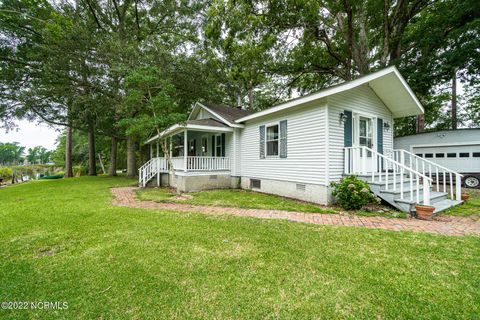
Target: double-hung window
x,y
272,140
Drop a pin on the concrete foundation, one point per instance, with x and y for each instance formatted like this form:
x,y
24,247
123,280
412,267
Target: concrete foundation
x,y
201,182
190,183
302,191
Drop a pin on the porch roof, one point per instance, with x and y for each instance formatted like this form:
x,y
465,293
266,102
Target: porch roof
x,y
206,125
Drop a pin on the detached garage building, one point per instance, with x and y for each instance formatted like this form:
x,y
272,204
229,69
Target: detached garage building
x,y
458,150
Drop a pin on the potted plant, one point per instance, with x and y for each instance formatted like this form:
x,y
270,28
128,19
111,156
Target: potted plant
x,y
465,196
424,212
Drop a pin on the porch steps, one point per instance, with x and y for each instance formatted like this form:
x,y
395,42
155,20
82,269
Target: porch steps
x,y
440,200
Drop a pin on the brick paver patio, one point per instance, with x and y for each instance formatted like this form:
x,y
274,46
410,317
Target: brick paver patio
x,y
452,226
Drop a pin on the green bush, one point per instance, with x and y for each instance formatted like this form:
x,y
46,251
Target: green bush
x,y
353,193
79,171
5,172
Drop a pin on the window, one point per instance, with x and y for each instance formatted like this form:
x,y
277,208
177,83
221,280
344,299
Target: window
x,y
464,154
451,155
272,140
439,155
476,154
204,145
428,155
255,184
218,145
419,155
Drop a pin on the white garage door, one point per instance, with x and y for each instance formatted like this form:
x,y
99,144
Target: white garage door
x,y
457,158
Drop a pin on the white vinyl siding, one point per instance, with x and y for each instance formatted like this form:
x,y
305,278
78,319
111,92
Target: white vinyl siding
x,y
306,156
361,100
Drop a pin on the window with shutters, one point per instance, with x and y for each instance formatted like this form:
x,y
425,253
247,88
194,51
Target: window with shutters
x,y
272,140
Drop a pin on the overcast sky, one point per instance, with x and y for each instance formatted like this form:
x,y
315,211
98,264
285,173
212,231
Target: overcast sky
x,y
30,134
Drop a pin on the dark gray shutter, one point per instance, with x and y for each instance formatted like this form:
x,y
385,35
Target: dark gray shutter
x,y
283,139
223,144
262,142
380,135
348,127
213,146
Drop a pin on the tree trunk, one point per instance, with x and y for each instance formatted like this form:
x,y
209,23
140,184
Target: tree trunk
x,y
92,163
454,100
68,153
112,169
131,158
420,123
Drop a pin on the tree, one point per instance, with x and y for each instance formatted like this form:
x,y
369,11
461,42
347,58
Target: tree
x,y
38,155
149,97
11,153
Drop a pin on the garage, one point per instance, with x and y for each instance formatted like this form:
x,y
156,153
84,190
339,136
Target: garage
x,y
457,150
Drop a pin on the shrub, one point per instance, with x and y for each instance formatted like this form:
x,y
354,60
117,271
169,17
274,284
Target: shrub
x,y
5,172
353,193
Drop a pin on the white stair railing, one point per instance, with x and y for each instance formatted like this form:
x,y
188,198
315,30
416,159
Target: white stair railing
x,y
388,172
432,169
150,169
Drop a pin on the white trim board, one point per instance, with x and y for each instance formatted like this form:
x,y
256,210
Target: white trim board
x,y
414,103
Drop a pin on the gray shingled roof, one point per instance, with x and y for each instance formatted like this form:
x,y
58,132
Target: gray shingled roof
x,y
207,122
228,113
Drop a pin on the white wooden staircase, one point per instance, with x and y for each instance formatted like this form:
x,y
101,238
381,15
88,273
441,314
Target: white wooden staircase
x,y
404,179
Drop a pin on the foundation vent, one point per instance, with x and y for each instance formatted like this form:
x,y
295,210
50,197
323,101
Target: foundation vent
x,y
301,187
213,177
255,184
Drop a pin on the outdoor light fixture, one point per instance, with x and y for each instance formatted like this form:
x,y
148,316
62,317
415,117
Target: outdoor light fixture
x,y
386,126
343,117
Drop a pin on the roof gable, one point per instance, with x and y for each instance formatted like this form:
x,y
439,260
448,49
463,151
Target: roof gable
x,y
388,84
223,114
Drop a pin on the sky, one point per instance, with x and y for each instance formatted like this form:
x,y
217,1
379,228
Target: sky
x,y
30,134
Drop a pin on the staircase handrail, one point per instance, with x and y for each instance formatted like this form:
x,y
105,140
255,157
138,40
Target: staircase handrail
x,y
458,176
397,167
427,161
413,171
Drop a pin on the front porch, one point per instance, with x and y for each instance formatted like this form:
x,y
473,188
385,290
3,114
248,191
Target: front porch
x,y
199,147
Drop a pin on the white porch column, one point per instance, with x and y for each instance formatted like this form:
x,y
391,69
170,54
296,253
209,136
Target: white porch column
x,y
151,151
185,149
158,150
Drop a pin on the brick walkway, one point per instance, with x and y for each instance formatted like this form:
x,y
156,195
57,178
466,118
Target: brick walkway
x,y
452,226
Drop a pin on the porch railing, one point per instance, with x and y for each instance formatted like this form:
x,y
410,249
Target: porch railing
x,y
433,170
390,173
208,163
157,165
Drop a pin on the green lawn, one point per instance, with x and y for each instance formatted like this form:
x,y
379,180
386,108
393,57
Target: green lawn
x,y
63,241
250,199
469,208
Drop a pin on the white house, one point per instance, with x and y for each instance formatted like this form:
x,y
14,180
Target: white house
x,y
297,148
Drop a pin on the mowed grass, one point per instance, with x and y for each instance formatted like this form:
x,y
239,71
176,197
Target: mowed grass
x,y
63,241
234,198
470,208
251,200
